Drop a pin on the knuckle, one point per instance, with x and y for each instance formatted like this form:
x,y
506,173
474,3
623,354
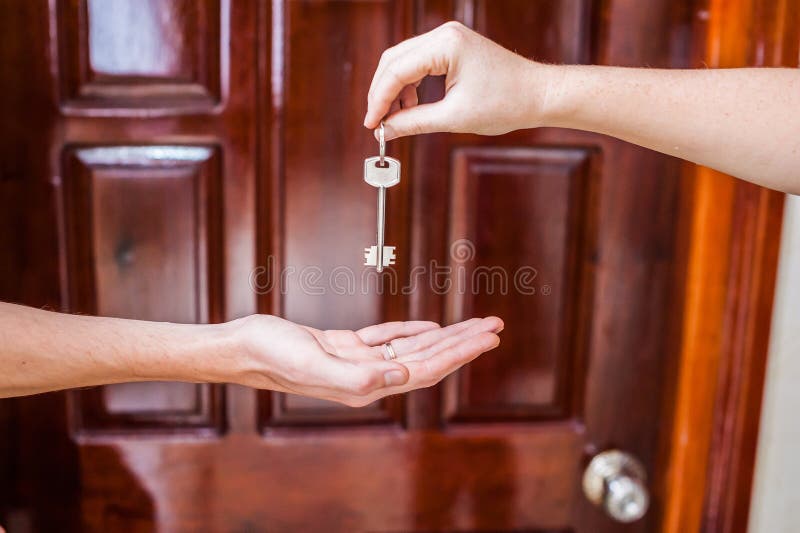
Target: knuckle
x,y
452,25
452,32
391,70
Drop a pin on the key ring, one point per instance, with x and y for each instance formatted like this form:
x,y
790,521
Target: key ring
x,y
382,143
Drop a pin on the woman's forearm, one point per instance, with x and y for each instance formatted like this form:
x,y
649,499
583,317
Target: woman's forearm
x,y
744,122
42,351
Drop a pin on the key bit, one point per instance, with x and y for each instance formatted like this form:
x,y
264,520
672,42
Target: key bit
x,y
371,256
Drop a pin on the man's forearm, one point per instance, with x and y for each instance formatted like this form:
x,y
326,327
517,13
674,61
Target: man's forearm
x,y
745,122
42,351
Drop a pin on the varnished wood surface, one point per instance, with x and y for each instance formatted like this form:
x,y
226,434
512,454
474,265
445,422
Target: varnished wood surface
x,y
730,280
263,102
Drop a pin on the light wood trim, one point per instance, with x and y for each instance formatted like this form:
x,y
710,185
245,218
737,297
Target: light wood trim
x,y
698,368
729,281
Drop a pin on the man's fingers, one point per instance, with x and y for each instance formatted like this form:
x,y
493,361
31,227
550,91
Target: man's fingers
x,y
425,118
380,333
390,53
405,69
408,97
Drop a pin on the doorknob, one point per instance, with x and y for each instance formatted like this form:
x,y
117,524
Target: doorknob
x,y
615,482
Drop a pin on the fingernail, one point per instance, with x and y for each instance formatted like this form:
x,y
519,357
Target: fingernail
x,y
394,377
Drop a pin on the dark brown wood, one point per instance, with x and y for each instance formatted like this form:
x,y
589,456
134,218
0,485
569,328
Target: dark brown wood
x,y
171,61
138,260
536,373
320,145
195,165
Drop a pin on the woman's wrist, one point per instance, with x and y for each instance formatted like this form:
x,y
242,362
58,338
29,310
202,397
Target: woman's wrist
x,y
222,353
200,353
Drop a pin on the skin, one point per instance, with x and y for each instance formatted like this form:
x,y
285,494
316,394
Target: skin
x,y
744,122
44,351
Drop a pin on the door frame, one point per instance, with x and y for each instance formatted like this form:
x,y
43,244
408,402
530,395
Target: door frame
x,y
731,247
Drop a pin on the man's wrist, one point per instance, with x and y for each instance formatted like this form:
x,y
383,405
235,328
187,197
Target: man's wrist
x,y
559,101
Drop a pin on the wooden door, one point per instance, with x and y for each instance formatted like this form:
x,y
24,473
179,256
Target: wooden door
x,y
198,161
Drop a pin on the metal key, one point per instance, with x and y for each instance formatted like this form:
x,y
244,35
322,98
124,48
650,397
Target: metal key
x,y
381,172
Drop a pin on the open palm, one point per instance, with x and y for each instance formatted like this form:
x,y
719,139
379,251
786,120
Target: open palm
x,y
352,367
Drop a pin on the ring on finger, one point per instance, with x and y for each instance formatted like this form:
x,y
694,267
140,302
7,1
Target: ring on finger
x,y
389,352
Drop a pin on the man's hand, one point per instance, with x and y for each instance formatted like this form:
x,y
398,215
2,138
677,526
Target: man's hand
x,y
350,366
490,90
742,122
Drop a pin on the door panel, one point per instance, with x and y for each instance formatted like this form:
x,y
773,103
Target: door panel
x,y
521,233
205,163
327,58
171,61
154,267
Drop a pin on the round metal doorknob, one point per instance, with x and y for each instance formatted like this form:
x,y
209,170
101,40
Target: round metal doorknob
x,y
615,482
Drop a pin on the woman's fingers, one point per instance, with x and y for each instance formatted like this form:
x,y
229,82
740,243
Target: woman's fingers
x,y
428,372
407,345
426,343
426,353
356,379
434,344
380,333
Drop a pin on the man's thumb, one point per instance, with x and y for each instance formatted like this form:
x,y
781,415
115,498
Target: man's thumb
x,y
425,118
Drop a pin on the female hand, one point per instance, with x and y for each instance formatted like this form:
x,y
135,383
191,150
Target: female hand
x,y
489,90
351,366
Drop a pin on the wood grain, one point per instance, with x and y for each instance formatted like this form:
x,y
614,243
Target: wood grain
x,y
734,236
276,92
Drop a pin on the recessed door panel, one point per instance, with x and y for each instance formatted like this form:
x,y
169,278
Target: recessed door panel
x,y
521,230
142,225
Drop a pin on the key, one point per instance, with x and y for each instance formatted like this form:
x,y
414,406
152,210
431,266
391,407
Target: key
x,y
381,177
381,172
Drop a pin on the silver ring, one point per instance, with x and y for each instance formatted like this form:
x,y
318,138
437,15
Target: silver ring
x,y
390,353
382,143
